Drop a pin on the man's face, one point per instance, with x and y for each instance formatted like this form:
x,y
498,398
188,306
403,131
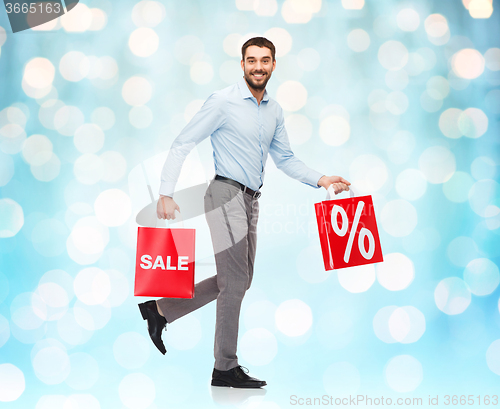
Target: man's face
x,y
258,66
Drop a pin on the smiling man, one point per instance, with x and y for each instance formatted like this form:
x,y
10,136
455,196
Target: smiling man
x,y
245,125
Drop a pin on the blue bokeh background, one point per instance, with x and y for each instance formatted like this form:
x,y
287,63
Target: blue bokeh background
x,y
402,98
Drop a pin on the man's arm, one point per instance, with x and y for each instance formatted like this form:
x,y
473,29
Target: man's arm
x,y
286,161
207,120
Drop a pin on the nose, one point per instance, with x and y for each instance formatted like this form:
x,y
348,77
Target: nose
x,y
258,66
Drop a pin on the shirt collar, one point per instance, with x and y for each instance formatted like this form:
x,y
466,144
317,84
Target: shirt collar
x,y
245,91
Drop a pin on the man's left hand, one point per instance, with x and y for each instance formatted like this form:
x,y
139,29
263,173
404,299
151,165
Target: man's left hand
x,y
338,183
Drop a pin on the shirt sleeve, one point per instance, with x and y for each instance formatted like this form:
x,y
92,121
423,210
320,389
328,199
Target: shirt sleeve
x,y
207,120
286,161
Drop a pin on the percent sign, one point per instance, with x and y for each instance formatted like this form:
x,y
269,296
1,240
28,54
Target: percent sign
x,y
364,232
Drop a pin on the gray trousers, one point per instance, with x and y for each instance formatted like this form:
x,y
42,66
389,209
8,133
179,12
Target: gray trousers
x,y
232,218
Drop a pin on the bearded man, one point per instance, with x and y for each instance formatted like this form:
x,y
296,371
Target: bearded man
x,y
244,125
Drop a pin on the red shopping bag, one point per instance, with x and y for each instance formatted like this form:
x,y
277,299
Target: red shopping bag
x,y
348,231
164,264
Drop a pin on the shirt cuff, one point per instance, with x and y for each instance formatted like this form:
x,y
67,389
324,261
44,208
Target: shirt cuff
x,y
167,189
313,178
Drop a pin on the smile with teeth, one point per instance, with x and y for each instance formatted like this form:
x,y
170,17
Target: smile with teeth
x,y
258,76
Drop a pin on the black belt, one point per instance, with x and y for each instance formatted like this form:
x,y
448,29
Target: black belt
x,y
254,193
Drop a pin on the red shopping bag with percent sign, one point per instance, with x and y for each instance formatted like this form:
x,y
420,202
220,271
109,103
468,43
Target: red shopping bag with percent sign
x,y
165,262
348,231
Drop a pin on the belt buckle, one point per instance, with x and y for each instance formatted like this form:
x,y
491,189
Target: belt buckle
x,y
257,194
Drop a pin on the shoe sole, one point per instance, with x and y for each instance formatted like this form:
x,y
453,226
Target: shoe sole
x,y
216,382
144,313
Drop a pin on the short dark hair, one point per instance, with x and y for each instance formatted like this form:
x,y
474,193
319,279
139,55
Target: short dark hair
x,y
259,42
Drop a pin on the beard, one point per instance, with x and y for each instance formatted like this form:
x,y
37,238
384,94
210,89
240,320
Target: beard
x,y
260,85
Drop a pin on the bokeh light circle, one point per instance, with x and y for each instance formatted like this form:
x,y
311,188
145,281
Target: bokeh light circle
x,y
39,73
335,328
50,301
113,207
341,378
437,163
4,330
309,59
482,194
89,235
92,286
11,218
6,168
131,350
258,346
137,91
493,357
47,171
281,39
398,218
468,63
473,123
393,55
201,72
114,166
51,365
84,371
137,391
88,168
483,167
492,59
291,95
140,117
403,373
358,40
293,317
299,128
408,19
12,382
411,184
456,189
452,295
462,250
448,123
143,42
396,272
74,66
397,80
334,130
406,324
482,276
187,335
368,173
37,149
92,317
357,279
310,265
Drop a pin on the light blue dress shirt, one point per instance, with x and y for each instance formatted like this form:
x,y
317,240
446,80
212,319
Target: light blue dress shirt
x,y
242,134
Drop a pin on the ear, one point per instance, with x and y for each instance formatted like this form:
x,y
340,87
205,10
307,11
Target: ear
x,y
242,65
274,65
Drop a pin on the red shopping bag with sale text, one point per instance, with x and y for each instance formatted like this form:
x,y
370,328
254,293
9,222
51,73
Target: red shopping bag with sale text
x,y
348,231
165,262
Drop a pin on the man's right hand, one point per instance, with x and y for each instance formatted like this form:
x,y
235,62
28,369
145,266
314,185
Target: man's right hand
x,y
166,207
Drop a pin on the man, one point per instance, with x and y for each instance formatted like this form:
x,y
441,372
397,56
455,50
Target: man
x,y
244,125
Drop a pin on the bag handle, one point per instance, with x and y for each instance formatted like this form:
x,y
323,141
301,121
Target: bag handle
x,y
330,193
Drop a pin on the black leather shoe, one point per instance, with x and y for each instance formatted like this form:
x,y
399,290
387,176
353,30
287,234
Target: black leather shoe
x,y
235,377
156,323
